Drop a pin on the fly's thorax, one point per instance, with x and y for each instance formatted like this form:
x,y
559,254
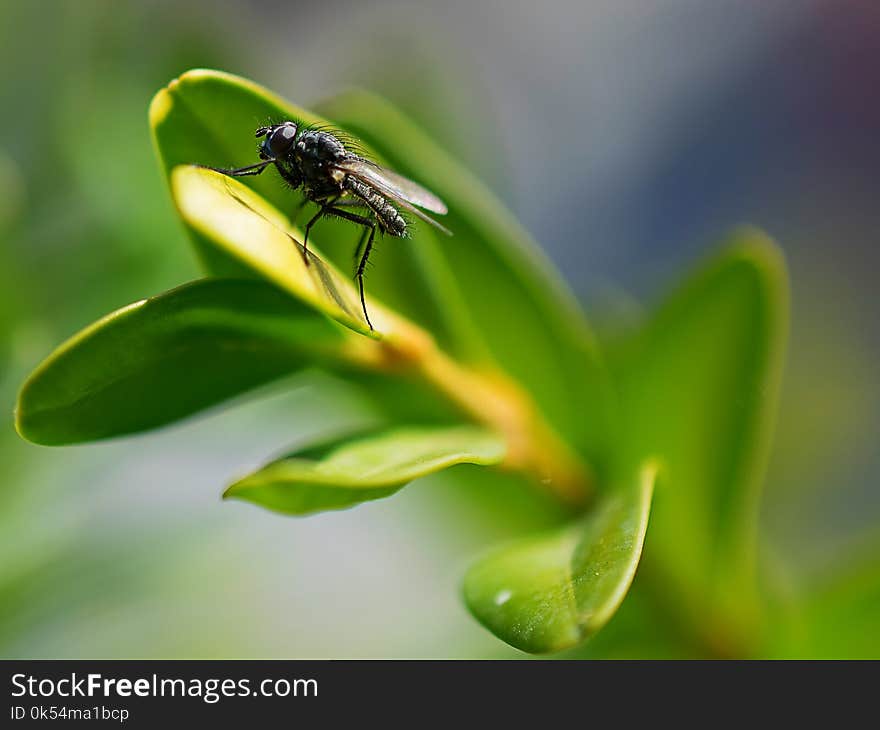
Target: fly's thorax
x,y
311,155
314,150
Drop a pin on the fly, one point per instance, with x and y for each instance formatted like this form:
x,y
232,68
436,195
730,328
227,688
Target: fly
x,y
342,184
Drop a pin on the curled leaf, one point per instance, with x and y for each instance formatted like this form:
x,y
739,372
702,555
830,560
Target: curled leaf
x,y
245,227
550,592
346,472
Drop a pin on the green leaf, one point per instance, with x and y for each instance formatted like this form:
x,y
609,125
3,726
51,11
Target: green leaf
x,y
344,473
483,292
164,358
244,227
208,117
699,390
491,276
550,592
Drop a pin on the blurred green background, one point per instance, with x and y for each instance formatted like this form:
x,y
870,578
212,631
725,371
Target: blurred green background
x,y
626,137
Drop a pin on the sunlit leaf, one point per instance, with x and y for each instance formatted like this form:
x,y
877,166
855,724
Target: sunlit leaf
x,y
208,117
549,592
349,471
699,392
164,358
244,227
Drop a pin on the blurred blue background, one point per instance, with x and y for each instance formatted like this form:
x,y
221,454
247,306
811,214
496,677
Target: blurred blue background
x,y
628,137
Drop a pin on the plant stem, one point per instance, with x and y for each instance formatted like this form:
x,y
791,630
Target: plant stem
x,y
494,399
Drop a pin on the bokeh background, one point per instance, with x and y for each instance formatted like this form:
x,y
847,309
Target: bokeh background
x,y
627,137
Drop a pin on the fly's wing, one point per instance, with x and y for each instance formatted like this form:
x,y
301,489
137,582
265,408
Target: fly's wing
x,y
400,190
392,184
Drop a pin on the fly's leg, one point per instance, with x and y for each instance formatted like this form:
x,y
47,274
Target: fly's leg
x,y
337,203
241,171
360,246
322,211
298,210
369,224
355,203
360,270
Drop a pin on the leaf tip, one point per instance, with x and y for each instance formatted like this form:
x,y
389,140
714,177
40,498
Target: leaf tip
x,y
201,73
233,490
18,416
242,489
758,249
649,473
160,106
28,424
162,102
766,260
23,412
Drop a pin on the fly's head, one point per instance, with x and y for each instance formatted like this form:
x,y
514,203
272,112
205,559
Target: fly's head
x,y
277,146
277,141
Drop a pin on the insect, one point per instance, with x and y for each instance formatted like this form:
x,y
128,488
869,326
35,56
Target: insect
x,y
342,184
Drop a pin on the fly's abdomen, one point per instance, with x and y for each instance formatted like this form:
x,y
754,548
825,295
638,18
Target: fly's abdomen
x,y
388,216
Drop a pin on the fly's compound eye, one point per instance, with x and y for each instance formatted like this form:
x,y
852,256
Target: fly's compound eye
x,y
281,138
